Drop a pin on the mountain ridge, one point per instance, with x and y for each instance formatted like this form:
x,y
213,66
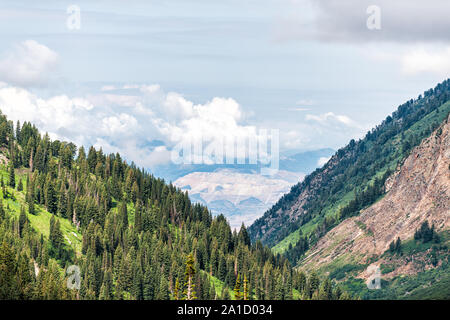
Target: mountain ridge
x,y
418,191
357,170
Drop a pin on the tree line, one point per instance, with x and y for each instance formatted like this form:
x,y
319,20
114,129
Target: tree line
x,y
142,238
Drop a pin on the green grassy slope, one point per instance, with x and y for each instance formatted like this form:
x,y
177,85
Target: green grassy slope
x,y
40,222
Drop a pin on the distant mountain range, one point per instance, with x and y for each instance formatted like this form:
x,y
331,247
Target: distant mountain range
x,y
240,196
240,192
300,161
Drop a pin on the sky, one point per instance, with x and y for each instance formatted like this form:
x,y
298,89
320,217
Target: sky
x,y
139,77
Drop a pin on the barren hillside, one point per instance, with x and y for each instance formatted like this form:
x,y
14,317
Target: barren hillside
x,y
419,190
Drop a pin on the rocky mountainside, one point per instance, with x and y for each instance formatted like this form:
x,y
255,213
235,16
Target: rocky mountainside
x,y
353,179
418,191
379,204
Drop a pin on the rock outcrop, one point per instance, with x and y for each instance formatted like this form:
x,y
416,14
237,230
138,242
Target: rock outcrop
x,y
418,191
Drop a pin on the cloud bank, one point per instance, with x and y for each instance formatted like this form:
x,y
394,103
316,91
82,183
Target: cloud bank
x,y
128,121
141,121
28,64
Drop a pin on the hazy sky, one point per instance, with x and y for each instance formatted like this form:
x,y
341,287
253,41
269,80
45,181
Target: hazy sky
x,y
139,71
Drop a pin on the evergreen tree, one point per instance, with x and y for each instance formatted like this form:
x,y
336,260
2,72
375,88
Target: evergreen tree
x,y
20,185
426,234
312,284
237,289
62,202
55,235
31,208
212,292
398,245
246,296
51,201
225,294
189,273
243,235
8,284
123,214
23,220
12,177
392,246
106,288
163,293
176,291
2,210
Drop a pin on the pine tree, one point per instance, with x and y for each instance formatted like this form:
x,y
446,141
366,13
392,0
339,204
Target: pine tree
x,y
245,288
123,214
25,279
8,285
134,192
12,177
212,292
392,246
18,137
23,220
398,245
237,289
313,283
55,235
51,201
4,191
225,293
176,291
163,293
189,292
244,236
62,202
31,208
20,185
148,285
106,288
222,270
2,211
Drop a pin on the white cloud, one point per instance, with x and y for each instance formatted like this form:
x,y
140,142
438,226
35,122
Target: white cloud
x,y
29,64
331,118
119,124
414,59
128,123
346,21
298,138
326,130
131,121
423,60
53,114
414,36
